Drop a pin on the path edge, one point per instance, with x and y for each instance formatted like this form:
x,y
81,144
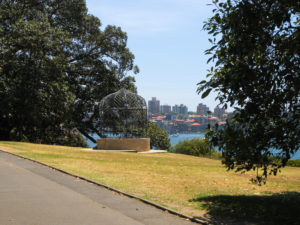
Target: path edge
x,y
114,190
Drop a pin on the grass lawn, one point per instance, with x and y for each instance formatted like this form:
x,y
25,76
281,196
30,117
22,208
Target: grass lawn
x,y
194,186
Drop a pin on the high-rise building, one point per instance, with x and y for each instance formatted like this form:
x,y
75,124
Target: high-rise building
x,y
165,108
153,105
180,109
219,112
202,109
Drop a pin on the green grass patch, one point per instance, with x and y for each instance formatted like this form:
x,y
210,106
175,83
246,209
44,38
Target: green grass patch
x,y
192,185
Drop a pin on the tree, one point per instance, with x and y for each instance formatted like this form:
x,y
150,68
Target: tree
x,y
256,50
55,66
158,137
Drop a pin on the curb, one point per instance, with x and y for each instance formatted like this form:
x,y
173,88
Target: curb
x,y
115,190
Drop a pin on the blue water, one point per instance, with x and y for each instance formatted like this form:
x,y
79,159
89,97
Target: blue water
x,y
182,137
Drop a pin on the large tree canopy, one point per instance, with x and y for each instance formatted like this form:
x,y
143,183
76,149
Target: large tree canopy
x,y
56,64
256,50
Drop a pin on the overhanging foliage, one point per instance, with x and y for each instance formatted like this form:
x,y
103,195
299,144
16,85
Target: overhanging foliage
x,y
56,64
256,55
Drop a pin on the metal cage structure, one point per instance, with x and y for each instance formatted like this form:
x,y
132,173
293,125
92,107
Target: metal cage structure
x,y
123,114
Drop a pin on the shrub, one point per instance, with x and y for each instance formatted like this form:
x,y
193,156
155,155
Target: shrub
x,y
293,163
196,147
74,139
278,161
158,137
59,135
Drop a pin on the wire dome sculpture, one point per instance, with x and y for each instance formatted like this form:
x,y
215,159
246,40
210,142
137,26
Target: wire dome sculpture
x,y
123,114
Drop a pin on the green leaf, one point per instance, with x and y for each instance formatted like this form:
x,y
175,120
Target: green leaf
x,y
209,60
202,82
206,93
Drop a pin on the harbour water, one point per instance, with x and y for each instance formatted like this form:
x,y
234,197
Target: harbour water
x,y
174,139
182,137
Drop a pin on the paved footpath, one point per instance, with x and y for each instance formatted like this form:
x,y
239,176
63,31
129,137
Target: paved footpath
x,y
33,194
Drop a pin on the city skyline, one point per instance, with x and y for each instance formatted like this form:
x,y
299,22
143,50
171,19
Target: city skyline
x,y
168,42
154,106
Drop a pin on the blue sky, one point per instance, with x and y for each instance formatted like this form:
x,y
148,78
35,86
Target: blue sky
x,y
168,42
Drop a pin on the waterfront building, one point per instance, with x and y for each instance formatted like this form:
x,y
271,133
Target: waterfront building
x,y
189,121
203,120
160,124
172,128
219,112
153,105
183,128
180,109
221,123
165,108
156,118
196,127
170,116
202,109
213,120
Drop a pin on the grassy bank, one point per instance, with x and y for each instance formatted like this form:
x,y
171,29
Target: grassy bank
x,y
191,185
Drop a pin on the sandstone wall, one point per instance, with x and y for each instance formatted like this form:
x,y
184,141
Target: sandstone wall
x,y
138,144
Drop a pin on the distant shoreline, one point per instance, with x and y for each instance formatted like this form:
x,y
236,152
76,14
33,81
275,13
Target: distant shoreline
x,y
186,136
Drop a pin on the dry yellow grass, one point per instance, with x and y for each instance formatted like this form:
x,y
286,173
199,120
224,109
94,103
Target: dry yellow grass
x,y
172,180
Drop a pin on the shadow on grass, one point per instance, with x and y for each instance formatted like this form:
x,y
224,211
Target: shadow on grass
x,y
282,208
